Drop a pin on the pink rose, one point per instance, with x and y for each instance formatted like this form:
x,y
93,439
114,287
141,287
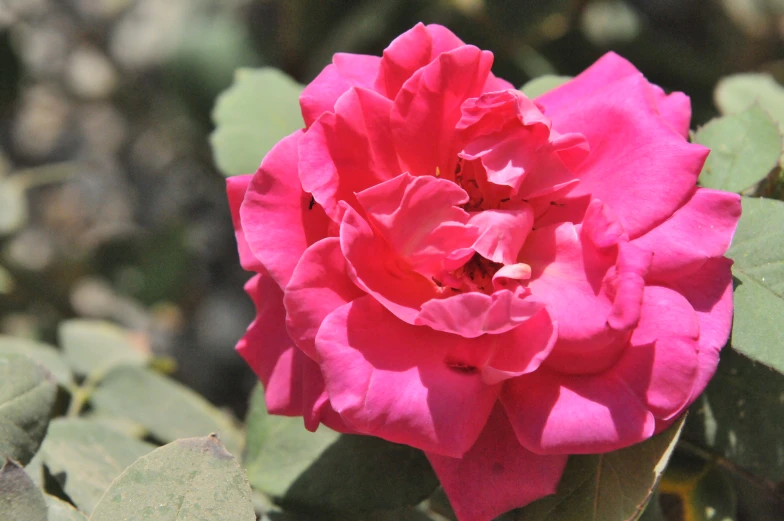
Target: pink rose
x,y
497,281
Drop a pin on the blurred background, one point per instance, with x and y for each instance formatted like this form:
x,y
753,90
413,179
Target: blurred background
x,y
110,204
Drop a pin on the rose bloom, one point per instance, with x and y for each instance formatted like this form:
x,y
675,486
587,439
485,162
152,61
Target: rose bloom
x,y
497,281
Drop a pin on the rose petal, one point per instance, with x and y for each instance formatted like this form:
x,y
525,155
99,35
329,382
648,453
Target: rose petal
x,y
236,187
427,109
420,219
348,151
474,314
502,232
375,268
318,286
277,216
638,165
699,230
269,351
521,350
345,71
709,291
411,51
392,380
497,474
567,273
674,108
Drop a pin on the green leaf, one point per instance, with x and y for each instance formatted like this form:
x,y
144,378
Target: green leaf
x,y
324,471
13,206
745,147
85,457
758,252
278,448
59,510
167,409
27,395
260,109
192,478
739,416
738,92
20,499
41,353
93,347
543,84
607,487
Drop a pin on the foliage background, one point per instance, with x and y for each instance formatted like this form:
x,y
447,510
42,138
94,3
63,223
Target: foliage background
x,y
111,206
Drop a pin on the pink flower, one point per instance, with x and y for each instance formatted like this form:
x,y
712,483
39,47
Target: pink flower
x,y
498,281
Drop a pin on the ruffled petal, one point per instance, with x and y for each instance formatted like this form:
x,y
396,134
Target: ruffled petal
x,y
427,109
348,151
502,232
568,274
395,381
638,165
236,187
411,51
375,268
345,71
521,350
515,143
318,286
497,474
473,314
701,229
277,216
420,219
269,351
675,108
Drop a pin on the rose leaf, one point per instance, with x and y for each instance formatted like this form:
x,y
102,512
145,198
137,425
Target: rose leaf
x,y
758,252
738,92
27,396
48,356
615,486
59,510
257,111
745,147
739,415
20,499
326,472
93,347
167,409
543,84
85,456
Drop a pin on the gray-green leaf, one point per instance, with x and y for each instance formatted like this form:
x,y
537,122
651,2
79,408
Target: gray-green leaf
x,y
326,472
607,487
538,86
41,353
745,147
93,347
59,510
20,499
738,92
167,409
192,478
758,252
27,395
85,457
260,109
